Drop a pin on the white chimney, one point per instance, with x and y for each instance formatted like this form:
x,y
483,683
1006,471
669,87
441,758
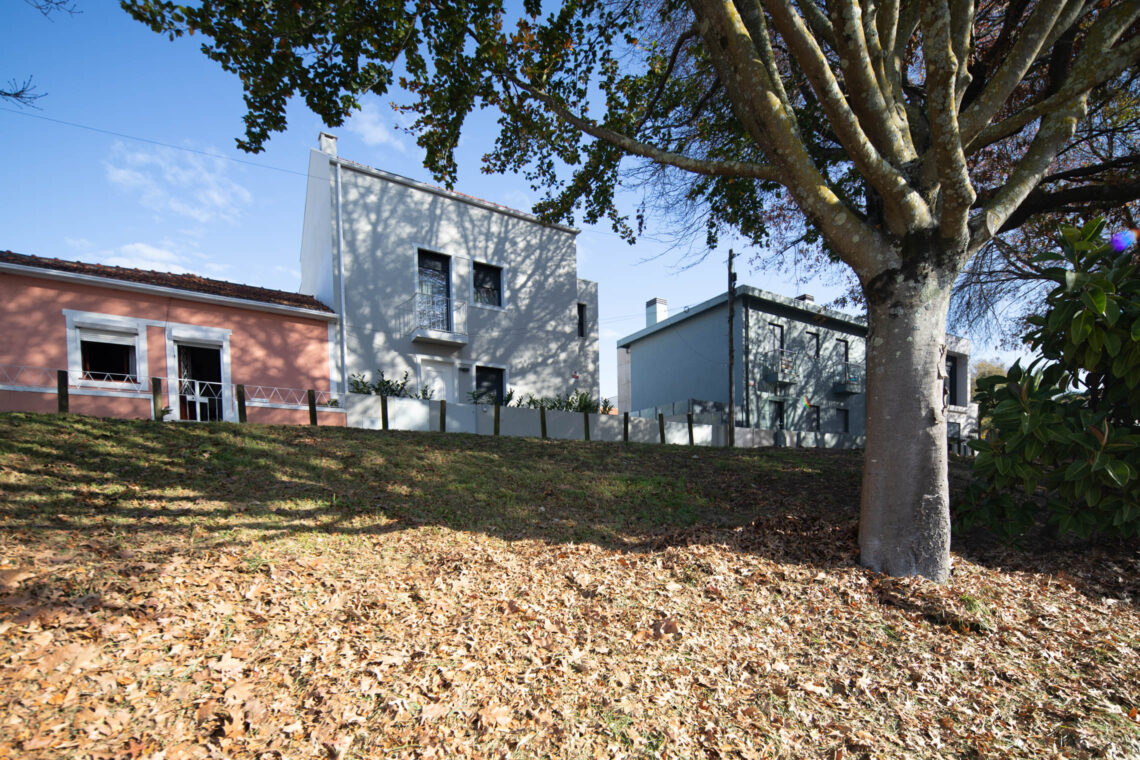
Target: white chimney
x,y
327,143
656,310
806,298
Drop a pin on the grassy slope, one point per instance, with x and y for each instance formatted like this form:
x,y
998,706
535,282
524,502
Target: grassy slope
x,y
215,590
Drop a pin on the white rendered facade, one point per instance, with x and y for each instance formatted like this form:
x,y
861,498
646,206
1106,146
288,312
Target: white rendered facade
x,y
456,291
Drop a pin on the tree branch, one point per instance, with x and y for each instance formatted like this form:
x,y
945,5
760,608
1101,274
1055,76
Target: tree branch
x,y
1030,42
905,207
1091,196
957,193
867,98
638,148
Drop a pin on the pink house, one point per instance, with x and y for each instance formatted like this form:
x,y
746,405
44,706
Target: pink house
x,y
115,331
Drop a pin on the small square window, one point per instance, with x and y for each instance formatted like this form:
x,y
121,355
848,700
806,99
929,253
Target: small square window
x,y
488,282
581,320
108,357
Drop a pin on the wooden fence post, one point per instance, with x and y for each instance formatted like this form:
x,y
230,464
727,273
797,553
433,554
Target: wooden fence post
x,y
443,415
625,427
661,425
384,412
586,423
542,420
241,402
312,394
690,416
156,399
497,407
61,391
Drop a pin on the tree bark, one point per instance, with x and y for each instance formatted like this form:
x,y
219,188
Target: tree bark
x,y
904,524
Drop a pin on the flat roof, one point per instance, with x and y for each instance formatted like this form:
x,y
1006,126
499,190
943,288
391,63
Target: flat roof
x,y
444,192
812,312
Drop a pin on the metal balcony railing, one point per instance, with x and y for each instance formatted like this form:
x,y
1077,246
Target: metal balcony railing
x,y
850,378
783,366
434,318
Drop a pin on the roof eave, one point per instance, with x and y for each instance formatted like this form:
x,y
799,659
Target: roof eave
x,y
162,290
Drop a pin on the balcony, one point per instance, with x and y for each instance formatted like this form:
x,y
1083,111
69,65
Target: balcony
x,y
782,367
434,319
851,378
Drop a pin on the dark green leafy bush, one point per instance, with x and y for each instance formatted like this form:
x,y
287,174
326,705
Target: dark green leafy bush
x,y
1063,441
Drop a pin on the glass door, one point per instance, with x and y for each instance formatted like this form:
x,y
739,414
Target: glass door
x,y
433,292
199,383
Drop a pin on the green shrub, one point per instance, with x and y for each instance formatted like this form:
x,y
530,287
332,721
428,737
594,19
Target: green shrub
x,y
1062,442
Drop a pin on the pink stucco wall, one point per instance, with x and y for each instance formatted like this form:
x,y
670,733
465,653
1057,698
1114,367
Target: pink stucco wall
x,y
265,348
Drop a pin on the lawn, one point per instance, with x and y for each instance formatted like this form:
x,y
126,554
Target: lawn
x,y
201,591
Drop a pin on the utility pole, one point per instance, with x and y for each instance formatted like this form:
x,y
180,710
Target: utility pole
x,y
731,384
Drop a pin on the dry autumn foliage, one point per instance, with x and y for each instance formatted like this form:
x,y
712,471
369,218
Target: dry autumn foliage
x,y
213,591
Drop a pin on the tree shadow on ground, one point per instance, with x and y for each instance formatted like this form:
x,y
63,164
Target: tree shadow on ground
x,y
105,483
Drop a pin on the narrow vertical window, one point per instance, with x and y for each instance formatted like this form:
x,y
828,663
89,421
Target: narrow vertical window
x,y
842,421
581,320
813,345
952,380
488,283
776,415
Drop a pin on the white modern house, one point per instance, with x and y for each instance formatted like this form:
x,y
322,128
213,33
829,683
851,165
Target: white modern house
x,y
461,293
798,368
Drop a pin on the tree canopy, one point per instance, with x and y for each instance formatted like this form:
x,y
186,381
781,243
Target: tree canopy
x,y
904,135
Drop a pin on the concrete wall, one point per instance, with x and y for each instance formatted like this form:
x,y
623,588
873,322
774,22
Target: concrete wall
x,y
385,221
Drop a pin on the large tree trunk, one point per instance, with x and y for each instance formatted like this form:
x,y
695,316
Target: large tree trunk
x,y
904,523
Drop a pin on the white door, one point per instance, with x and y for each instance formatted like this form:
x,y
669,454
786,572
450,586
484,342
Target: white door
x,y
440,377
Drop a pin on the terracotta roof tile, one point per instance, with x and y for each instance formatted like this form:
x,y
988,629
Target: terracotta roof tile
x,y
188,282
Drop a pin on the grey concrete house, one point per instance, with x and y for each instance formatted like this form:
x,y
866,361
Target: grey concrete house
x,y
463,294
798,367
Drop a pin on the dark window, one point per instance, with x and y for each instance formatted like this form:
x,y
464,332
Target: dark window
x,y
952,380
776,415
581,320
813,345
777,335
488,285
812,419
107,357
433,291
842,421
489,384
843,349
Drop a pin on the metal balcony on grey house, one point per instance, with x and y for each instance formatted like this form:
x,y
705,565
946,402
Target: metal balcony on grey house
x,y
852,379
439,320
783,367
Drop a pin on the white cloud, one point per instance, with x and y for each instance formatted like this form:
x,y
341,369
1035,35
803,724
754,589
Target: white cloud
x,y
177,182
144,256
369,124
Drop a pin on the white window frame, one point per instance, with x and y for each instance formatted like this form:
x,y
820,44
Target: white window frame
x,y
502,287
127,327
202,337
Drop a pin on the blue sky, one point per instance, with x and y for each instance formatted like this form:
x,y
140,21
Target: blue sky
x,y
129,159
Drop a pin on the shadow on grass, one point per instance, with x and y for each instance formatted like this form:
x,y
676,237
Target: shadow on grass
x,y
82,479
245,484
